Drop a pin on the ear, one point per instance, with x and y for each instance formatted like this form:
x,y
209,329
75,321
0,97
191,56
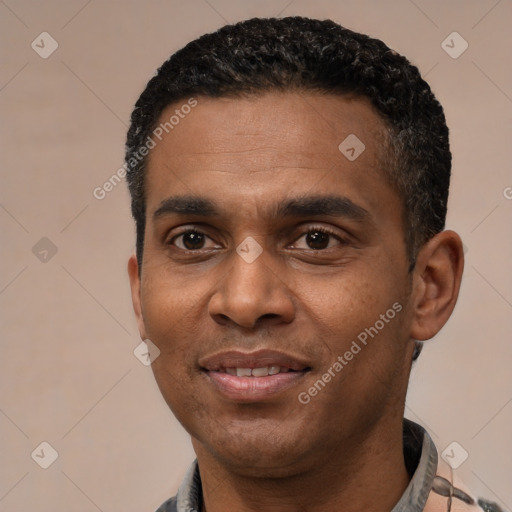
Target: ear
x,y
436,284
133,272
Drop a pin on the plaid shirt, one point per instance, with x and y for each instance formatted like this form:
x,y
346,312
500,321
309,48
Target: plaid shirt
x,y
432,488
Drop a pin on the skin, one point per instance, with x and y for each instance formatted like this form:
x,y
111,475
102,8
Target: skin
x,y
344,448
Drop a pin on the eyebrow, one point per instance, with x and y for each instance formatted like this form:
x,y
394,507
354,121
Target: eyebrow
x,y
305,206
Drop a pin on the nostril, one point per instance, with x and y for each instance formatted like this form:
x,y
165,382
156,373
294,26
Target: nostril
x,y
222,319
270,315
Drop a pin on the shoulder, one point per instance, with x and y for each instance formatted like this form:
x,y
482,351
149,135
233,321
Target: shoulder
x,y
448,487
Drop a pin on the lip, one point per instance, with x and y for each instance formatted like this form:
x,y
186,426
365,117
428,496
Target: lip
x,y
252,389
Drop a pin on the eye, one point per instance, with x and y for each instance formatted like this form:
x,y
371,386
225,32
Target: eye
x,y
191,240
317,239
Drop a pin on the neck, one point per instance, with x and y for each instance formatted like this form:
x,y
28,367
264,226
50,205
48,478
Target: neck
x,y
365,473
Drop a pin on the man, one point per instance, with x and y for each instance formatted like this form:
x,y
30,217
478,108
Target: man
x,y
289,182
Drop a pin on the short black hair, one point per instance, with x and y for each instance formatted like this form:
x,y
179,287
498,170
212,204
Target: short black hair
x,y
302,54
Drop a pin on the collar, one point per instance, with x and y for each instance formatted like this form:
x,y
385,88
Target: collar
x,y
417,444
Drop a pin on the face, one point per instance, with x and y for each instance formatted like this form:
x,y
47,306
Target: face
x,y
274,279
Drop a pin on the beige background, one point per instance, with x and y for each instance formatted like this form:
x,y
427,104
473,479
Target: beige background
x,y
68,373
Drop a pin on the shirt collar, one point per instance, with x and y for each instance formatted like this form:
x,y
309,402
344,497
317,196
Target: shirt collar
x,y
189,496
417,444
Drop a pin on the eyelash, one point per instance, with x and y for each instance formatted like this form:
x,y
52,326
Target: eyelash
x,y
312,229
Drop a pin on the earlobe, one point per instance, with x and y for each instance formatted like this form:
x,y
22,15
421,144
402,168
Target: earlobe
x,y
436,284
133,272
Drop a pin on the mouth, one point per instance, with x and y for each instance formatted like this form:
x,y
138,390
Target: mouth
x,y
262,371
255,376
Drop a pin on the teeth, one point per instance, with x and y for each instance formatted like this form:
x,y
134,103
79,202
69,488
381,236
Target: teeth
x,y
260,372
257,372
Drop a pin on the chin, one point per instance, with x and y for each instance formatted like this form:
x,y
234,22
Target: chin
x,y
264,454
263,466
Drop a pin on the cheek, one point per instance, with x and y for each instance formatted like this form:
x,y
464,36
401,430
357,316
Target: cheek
x,y
360,317
172,323
349,301
170,303
363,354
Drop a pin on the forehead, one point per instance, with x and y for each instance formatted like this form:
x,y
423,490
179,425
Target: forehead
x,y
258,147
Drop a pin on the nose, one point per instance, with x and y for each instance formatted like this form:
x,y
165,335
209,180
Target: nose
x,y
251,294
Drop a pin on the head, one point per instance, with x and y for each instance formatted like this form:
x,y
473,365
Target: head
x,y
253,157
299,54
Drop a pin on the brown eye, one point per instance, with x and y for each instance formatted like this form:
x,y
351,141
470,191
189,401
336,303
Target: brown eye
x,y
317,240
192,240
189,240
